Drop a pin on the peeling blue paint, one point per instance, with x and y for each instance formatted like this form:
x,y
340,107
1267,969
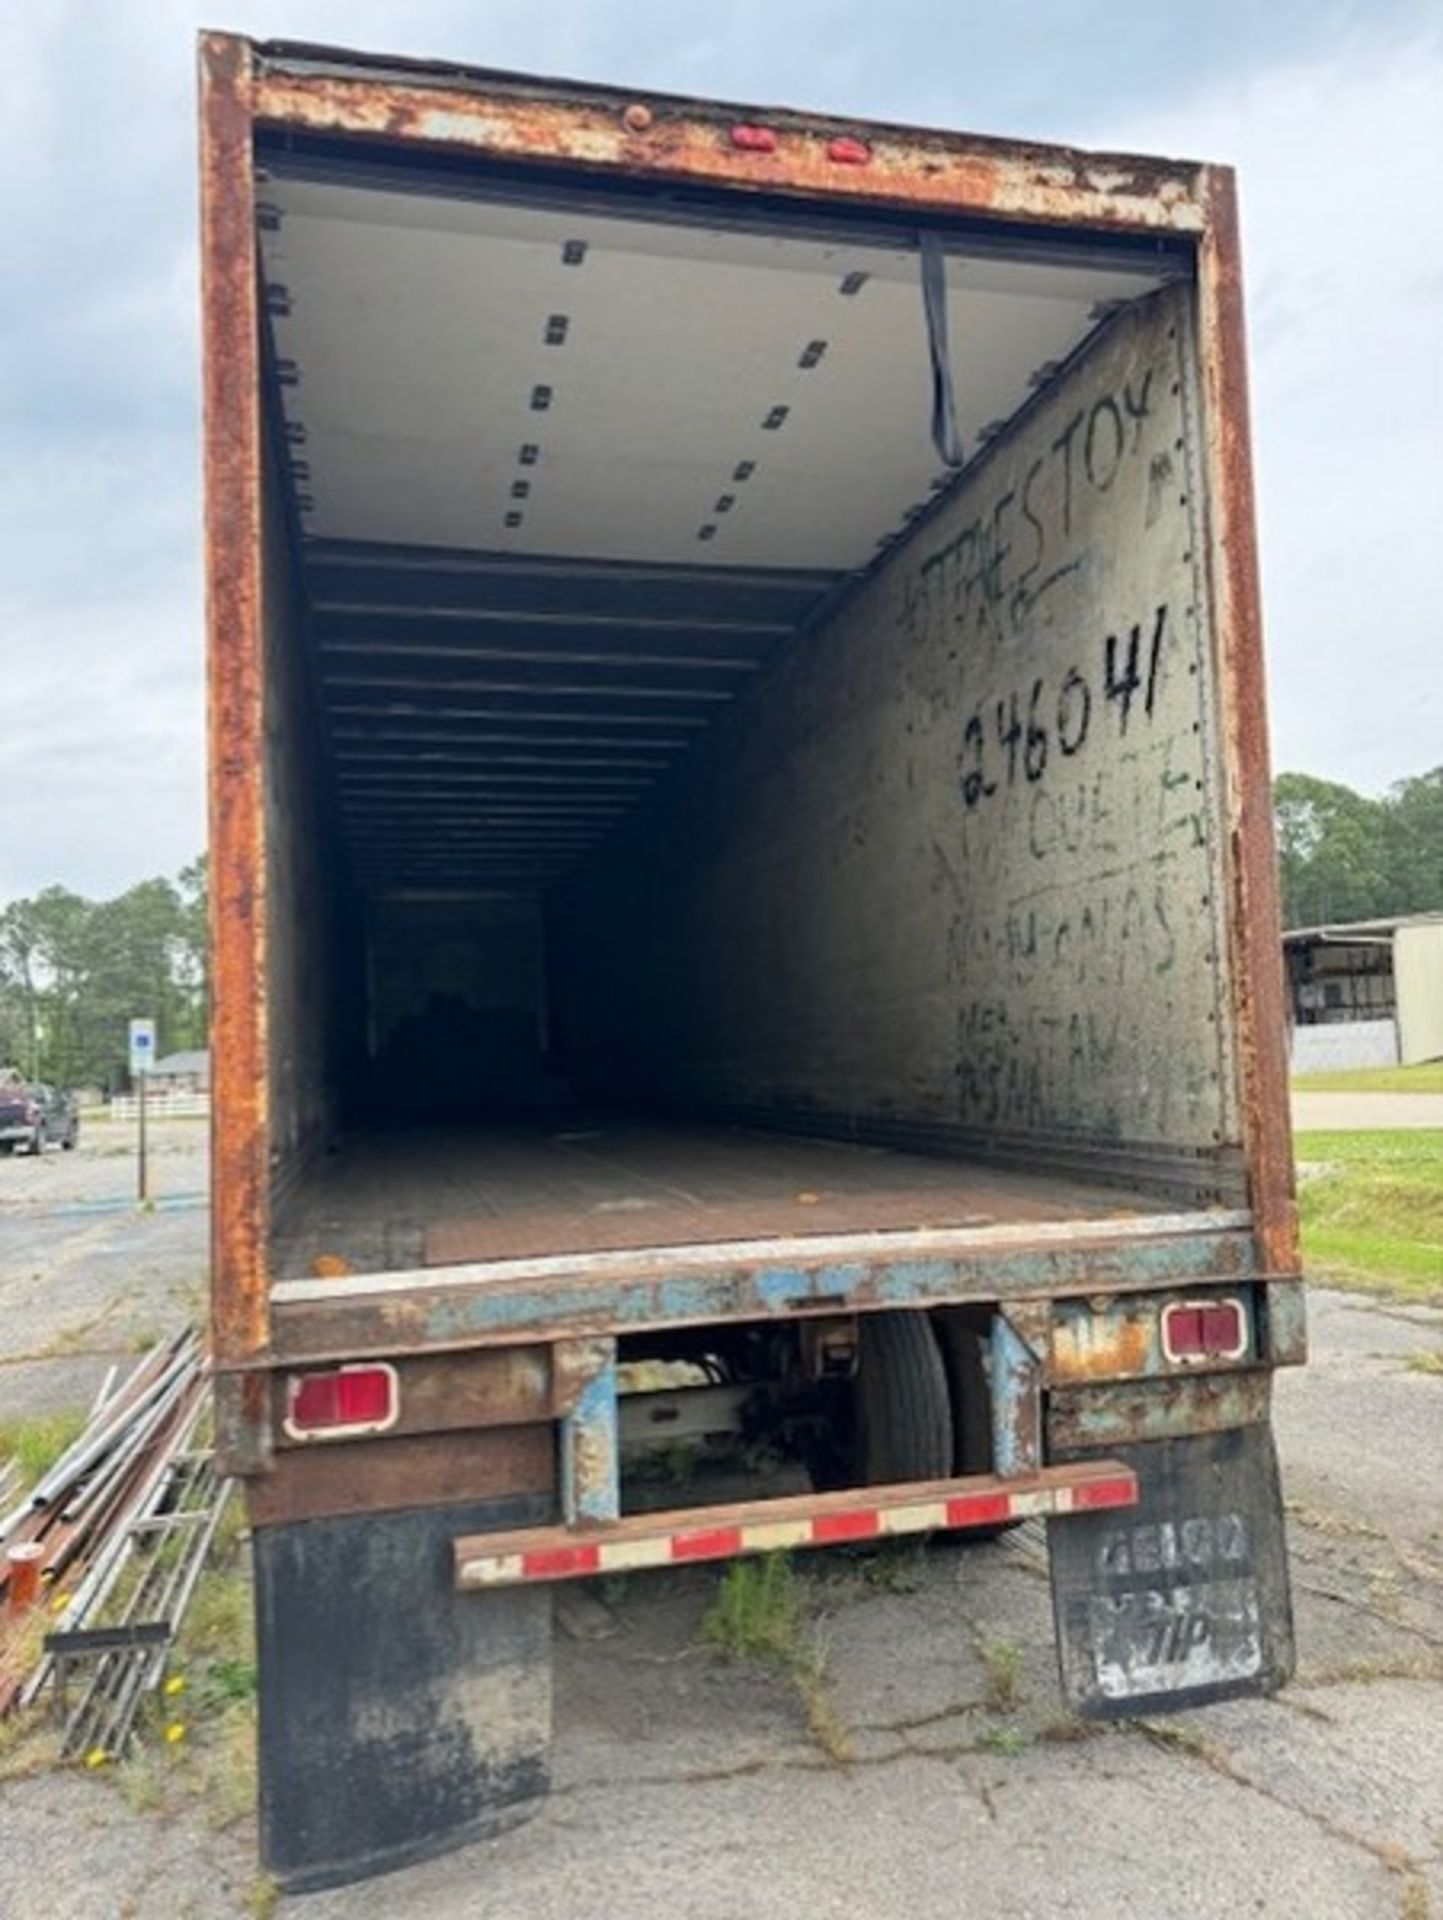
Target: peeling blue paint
x,y
590,1450
349,1321
1016,1379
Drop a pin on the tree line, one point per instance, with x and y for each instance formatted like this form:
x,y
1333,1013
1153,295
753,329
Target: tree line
x,y
1343,856
74,972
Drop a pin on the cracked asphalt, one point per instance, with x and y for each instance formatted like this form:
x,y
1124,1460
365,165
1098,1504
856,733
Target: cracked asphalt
x,y
690,1786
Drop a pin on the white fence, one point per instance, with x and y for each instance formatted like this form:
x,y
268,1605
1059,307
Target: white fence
x,y
162,1106
1338,1046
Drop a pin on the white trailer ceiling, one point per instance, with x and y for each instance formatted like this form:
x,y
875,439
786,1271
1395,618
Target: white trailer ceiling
x,y
418,328
566,480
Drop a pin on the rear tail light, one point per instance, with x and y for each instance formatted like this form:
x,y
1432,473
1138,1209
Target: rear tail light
x,y
1195,1330
340,1402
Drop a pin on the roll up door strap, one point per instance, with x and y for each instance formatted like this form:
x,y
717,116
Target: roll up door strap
x,y
946,436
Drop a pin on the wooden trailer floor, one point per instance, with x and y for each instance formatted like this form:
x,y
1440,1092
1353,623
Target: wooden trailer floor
x,y
444,1195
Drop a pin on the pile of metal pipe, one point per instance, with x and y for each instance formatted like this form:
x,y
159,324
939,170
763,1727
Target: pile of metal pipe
x,y
105,1550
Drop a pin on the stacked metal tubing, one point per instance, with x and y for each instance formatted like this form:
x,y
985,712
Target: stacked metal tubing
x,y
86,1543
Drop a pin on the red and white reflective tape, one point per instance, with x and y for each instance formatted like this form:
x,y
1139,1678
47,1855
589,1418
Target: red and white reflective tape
x,y
678,1538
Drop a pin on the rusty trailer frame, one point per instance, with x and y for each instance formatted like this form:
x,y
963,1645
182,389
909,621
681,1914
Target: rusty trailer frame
x,y
249,90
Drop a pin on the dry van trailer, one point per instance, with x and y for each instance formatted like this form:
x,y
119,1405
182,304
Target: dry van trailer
x,y
743,894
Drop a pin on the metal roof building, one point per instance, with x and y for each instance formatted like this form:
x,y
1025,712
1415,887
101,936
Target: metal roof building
x,y
1366,993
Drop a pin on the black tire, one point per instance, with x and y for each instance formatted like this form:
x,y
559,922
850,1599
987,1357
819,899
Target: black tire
x,y
71,1140
7,1147
964,1350
904,1411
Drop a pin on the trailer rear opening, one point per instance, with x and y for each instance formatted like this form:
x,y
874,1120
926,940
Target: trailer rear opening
x,y
743,907
666,739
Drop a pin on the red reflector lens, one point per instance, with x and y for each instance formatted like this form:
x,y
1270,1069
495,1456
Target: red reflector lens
x,y
754,139
1204,1330
342,1398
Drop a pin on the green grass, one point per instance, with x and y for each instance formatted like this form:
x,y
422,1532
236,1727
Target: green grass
x,y
36,1444
1372,1209
1427,1078
759,1614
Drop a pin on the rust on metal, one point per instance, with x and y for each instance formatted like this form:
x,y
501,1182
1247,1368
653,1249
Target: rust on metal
x,y
575,1364
1104,1346
416,1470
491,114
244,1432
1284,1323
414,1312
1129,1411
1255,920
240,1324
441,1393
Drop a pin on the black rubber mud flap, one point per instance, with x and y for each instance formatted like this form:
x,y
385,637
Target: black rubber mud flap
x,y
1184,1598
398,1717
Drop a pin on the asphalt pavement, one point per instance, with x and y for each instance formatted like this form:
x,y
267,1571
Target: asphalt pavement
x,y
689,1786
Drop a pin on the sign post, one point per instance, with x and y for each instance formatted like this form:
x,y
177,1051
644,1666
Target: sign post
x,y
142,1059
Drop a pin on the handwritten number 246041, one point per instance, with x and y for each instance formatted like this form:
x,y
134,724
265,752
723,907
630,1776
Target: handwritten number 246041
x,y
1016,737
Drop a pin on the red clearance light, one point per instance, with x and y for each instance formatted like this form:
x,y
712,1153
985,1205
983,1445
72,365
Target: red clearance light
x,y
754,139
1204,1330
342,1401
849,153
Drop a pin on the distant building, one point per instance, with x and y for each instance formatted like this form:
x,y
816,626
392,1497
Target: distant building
x,y
1366,993
185,1072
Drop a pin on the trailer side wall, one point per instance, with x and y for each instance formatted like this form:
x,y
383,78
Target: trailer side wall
x,y
955,870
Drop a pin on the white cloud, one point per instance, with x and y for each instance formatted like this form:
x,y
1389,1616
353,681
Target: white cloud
x,y
1339,159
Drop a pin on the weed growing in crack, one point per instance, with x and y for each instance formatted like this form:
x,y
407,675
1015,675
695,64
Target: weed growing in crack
x,y
1003,1663
1007,1740
759,1614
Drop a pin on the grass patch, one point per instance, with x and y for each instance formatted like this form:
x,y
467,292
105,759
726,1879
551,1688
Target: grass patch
x,y
759,1614
197,1747
37,1443
1427,1078
1003,1662
29,1743
1429,1361
1371,1204
1006,1740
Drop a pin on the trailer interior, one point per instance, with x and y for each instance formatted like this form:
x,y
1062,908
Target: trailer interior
x,y
574,943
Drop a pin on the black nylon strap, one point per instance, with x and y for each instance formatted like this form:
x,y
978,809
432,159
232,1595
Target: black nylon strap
x,y
945,435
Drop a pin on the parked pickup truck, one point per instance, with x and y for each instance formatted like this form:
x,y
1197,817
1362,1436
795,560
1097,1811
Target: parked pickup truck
x,y
744,905
33,1117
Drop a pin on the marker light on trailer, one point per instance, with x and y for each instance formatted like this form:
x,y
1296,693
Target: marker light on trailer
x,y
338,1403
1201,1330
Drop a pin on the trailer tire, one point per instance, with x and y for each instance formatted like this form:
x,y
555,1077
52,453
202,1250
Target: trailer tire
x,y
904,1410
964,1354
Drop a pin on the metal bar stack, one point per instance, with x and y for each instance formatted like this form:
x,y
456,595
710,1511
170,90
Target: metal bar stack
x,y
110,1543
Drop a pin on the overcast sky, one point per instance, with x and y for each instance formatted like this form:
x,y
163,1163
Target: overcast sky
x,y
1333,112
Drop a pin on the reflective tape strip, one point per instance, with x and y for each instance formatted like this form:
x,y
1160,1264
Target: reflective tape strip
x,y
675,1540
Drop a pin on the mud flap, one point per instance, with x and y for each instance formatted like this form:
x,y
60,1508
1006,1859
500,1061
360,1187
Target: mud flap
x,y
398,1717
1184,1598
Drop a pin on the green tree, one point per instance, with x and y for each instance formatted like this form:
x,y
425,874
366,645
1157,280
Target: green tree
x,y
73,972
1415,840
1344,856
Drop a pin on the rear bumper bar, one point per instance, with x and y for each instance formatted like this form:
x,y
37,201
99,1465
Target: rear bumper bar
x,y
686,1535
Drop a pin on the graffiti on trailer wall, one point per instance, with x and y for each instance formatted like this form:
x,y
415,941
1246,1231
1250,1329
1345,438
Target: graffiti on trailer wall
x,y
1084,940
